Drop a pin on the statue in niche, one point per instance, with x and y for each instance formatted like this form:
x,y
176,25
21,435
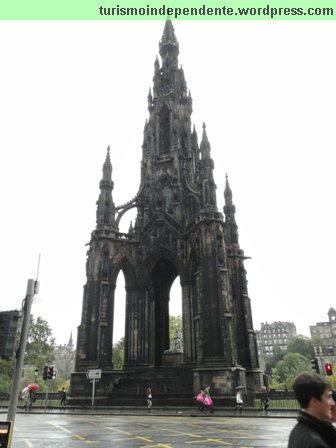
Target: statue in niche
x,y
177,343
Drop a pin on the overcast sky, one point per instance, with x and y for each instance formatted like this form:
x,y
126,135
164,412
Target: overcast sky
x,y
267,93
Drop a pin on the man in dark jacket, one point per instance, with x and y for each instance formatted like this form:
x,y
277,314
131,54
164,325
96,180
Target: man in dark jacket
x,y
313,429
264,399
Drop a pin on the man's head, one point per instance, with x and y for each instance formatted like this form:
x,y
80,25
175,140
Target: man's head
x,y
333,408
313,392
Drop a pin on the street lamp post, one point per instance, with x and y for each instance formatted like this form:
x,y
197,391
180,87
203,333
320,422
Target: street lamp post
x,y
32,288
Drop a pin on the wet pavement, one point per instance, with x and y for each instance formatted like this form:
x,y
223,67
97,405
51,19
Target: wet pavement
x,y
37,430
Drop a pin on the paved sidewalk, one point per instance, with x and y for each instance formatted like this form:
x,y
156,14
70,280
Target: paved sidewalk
x,y
161,411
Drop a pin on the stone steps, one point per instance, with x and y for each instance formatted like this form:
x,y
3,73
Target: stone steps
x,y
168,385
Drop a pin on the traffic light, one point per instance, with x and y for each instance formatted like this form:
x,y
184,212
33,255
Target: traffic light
x,y
50,372
45,373
314,365
328,369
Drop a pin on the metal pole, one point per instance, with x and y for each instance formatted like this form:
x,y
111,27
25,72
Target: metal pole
x,y
93,391
21,350
46,397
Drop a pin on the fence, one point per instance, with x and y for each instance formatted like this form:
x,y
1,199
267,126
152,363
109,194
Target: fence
x,y
278,401
53,400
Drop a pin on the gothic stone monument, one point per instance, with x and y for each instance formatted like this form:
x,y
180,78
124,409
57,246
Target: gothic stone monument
x,y
179,231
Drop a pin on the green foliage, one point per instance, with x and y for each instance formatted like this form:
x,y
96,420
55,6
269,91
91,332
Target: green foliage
x,y
296,345
40,348
118,354
286,370
40,351
303,346
272,360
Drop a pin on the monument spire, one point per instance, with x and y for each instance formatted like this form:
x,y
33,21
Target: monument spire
x,y
178,232
105,204
169,48
229,213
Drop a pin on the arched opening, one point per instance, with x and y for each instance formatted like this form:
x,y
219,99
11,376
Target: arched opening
x,y
175,315
162,277
164,130
119,322
127,221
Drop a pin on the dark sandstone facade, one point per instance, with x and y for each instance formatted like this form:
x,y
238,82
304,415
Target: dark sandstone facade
x,y
179,231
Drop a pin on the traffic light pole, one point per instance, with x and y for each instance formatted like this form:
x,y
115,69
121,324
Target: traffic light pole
x,y
46,398
21,350
315,365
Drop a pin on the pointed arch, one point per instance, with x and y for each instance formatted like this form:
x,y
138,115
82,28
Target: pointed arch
x,y
126,266
161,253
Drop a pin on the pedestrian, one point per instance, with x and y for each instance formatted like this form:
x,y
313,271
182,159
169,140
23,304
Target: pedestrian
x,y
31,399
149,398
63,397
26,398
239,400
207,400
333,408
264,399
314,428
200,400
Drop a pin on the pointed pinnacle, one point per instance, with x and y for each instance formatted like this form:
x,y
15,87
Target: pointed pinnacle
x,y
227,191
205,145
108,158
227,185
227,181
205,136
168,36
107,167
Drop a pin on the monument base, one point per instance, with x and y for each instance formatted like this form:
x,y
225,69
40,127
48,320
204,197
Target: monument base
x,y
172,384
172,357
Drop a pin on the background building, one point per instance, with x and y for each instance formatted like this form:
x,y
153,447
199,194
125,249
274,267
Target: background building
x,y
324,336
273,337
65,358
9,325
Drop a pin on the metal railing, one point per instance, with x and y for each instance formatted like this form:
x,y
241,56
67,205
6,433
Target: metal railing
x,y
53,400
278,401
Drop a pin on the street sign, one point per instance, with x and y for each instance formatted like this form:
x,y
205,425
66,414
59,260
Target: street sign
x,y
93,374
